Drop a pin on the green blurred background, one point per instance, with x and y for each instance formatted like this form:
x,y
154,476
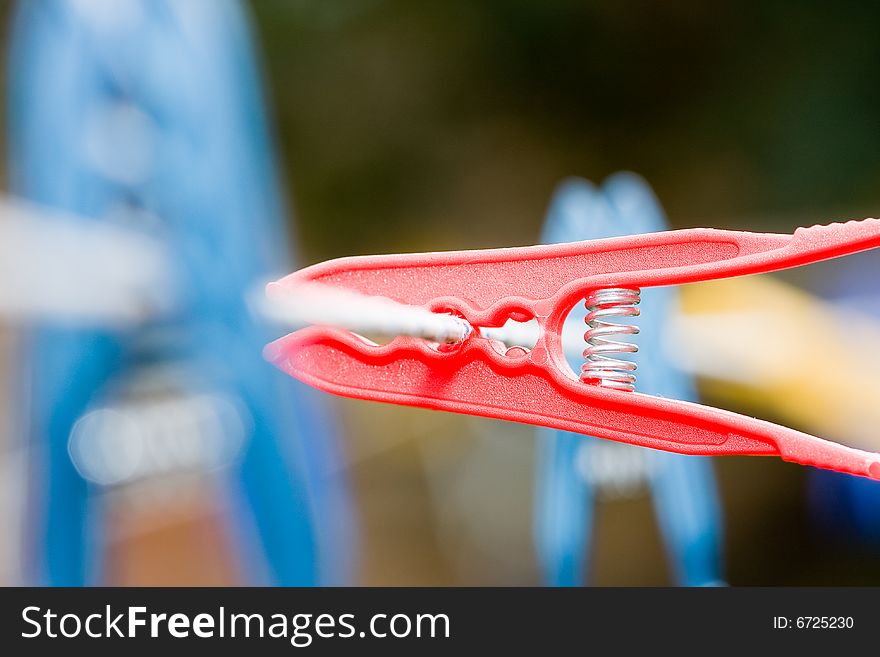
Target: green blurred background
x,y
447,124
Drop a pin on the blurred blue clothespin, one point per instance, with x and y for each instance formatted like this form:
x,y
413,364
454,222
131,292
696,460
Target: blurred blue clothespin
x,y
149,114
572,467
843,504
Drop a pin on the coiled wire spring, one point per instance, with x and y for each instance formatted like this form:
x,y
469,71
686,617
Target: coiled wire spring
x,y
603,365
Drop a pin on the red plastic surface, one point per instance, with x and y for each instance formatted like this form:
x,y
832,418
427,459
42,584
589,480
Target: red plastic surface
x,y
478,377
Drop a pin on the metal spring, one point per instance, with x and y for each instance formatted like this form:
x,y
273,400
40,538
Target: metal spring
x,y
601,366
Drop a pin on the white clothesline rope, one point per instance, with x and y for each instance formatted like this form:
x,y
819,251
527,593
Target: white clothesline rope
x,y
55,266
318,304
314,303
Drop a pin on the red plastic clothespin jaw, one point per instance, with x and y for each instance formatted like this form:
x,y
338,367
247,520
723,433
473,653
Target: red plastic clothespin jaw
x,y
479,377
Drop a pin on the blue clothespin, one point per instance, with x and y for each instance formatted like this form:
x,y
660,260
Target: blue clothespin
x,y
155,108
843,504
684,489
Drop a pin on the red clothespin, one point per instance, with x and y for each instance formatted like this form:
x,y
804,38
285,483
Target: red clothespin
x,y
478,376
